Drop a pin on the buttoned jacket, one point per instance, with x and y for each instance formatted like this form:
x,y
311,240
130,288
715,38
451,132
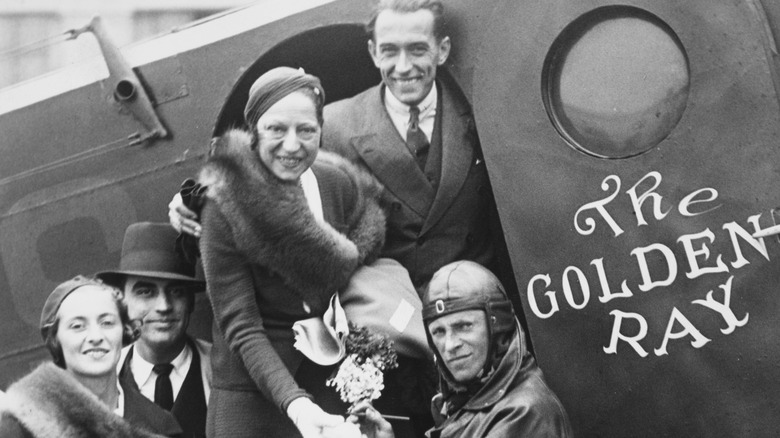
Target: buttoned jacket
x,y
429,224
190,406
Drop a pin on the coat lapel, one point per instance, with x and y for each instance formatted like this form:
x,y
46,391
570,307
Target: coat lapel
x,y
189,409
125,373
457,153
384,151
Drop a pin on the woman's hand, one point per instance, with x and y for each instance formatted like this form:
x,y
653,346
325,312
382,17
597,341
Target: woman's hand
x,y
313,422
183,219
345,430
371,422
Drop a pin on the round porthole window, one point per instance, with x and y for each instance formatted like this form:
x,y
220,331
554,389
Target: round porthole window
x,y
615,82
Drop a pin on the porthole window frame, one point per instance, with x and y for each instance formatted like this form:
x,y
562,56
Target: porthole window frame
x,y
567,39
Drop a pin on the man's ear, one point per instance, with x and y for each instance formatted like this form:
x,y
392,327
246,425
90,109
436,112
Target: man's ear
x,y
372,52
444,50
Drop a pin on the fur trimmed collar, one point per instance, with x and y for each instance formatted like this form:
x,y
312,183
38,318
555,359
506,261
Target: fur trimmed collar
x,y
50,403
273,226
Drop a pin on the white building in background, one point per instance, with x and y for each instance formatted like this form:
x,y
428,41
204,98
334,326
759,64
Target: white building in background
x,y
33,33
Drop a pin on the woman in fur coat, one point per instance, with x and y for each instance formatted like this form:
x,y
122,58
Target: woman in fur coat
x,y
284,227
84,327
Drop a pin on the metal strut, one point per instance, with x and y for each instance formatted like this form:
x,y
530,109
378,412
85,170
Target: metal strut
x,y
127,89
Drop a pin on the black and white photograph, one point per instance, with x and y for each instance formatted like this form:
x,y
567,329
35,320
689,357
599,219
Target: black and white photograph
x,y
389,218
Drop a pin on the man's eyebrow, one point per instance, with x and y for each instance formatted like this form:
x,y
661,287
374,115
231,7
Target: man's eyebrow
x,y
465,320
455,322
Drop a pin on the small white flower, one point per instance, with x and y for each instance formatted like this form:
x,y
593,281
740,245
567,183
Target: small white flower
x,y
356,382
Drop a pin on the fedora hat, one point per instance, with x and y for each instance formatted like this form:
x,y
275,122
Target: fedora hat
x,y
149,250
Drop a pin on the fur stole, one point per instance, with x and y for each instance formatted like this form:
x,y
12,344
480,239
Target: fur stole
x,y
50,403
272,224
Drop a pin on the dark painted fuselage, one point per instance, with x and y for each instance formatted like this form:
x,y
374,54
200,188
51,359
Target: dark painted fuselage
x,y
628,202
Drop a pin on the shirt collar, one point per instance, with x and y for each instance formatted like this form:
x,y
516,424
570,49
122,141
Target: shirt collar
x,y
311,190
426,106
120,401
142,369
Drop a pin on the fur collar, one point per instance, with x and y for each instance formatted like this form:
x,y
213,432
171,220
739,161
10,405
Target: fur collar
x,y
51,403
273,226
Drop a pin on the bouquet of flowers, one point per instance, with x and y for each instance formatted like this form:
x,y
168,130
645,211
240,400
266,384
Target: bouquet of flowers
x,y
361,374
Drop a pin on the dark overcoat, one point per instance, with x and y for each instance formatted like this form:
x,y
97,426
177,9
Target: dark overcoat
x,y
268,263
49,402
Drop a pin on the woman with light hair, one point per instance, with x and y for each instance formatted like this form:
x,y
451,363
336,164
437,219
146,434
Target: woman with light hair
x,y
84,326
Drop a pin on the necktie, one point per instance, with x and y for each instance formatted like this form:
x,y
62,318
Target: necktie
x,y
163,391
415,138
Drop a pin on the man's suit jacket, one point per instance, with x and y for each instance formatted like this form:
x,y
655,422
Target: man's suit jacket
x,y
144,413
189,413
427,228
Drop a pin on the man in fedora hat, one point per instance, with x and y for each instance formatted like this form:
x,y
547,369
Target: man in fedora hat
x,y
165,364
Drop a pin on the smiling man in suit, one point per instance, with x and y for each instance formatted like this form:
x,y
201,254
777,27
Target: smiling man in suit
x,y
415,131
167,365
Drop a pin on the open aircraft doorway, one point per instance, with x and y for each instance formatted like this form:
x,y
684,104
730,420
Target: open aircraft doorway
x,y
336,54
